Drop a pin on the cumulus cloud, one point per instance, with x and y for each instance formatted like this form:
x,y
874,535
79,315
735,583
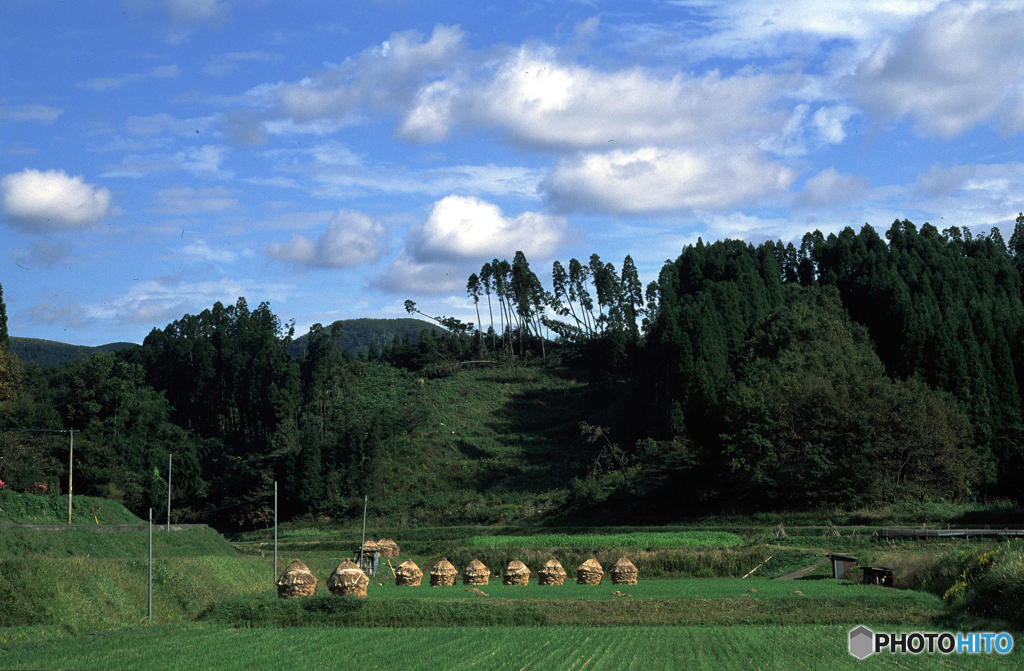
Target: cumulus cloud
x,y
461,233
384,78
538,100
959,66
34,112
51,200
466,228
350,239
831,188
651,180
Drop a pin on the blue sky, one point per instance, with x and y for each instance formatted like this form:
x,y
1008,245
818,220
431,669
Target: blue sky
x,y
336,159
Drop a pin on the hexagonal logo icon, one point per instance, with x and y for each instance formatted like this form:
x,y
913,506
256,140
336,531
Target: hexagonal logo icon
x,y
862,642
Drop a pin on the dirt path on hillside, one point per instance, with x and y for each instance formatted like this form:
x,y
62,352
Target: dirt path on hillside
x,y
802,572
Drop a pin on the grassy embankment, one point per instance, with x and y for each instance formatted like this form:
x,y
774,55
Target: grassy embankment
x,y
84,579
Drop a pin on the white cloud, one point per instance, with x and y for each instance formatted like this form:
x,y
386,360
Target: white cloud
x,y
537,100
828,121
52,200
460,234
165,299
466,228
956,68
650,180
385,78
755,28
35,112
350,239
201,250
101,84
406,274
831,188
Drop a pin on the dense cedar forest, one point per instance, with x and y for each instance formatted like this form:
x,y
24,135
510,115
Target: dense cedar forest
x,y
854,369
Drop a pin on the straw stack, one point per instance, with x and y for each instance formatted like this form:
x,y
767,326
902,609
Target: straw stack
x,y
551,573
515,573
475,573
443,574
408,574
388,548
589,573
623,573
348,580
296,582
369,546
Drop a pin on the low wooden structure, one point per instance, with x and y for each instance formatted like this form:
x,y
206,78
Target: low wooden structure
x,y
962,532
879,575
841,564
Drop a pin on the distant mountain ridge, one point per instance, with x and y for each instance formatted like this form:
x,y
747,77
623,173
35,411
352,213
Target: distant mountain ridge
x,y
357,334
52,353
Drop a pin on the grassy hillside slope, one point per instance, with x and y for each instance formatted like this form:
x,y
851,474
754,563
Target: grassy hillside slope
x,y
23,508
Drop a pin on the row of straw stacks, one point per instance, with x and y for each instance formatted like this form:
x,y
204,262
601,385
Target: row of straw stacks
x,y
443,574
298,581
385,547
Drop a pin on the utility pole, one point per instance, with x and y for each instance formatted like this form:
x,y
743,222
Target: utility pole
x,y
151,566
71,468
366,498
275,531
169,457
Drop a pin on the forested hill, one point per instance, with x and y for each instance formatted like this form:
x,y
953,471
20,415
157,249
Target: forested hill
x,y
855,369
51,353
359,334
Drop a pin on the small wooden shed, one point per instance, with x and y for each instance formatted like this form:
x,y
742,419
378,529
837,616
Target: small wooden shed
x,y
841,564
879,575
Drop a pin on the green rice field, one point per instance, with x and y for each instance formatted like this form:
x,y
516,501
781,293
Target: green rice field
x,y
192,646
638,539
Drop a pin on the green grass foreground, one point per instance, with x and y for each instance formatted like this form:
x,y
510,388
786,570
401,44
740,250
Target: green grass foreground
x,y
192,646
656,602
